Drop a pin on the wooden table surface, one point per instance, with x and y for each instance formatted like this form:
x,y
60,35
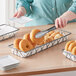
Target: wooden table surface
x,y
49,61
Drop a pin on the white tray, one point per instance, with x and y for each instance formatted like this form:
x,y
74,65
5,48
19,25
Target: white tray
x,y
7,31
21,20
40,48
8,62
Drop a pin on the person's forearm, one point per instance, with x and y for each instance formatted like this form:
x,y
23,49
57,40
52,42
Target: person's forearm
x,y
69,15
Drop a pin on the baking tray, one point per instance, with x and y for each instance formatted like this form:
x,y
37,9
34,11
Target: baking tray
x,y
40,48
7,31
69,55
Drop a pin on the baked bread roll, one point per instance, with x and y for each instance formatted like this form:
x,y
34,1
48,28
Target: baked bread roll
x,y
16,43
67,45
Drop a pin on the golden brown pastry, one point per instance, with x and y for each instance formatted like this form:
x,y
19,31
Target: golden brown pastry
x,y
27,36
48,39
16,43
38,41
74,51
71,46
25,45
50,33
54,34
58,36
67,45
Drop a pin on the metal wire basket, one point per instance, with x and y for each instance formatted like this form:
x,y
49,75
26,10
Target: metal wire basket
x,y
40,48
7,31
69,55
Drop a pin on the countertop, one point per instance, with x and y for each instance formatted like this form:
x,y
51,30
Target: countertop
x,y
48,61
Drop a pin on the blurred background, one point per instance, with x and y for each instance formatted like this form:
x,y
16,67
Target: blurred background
x,y
2,12
7,10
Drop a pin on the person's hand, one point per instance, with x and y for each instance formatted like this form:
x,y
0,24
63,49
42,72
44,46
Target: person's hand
x,y
63,19
21,12
61,22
